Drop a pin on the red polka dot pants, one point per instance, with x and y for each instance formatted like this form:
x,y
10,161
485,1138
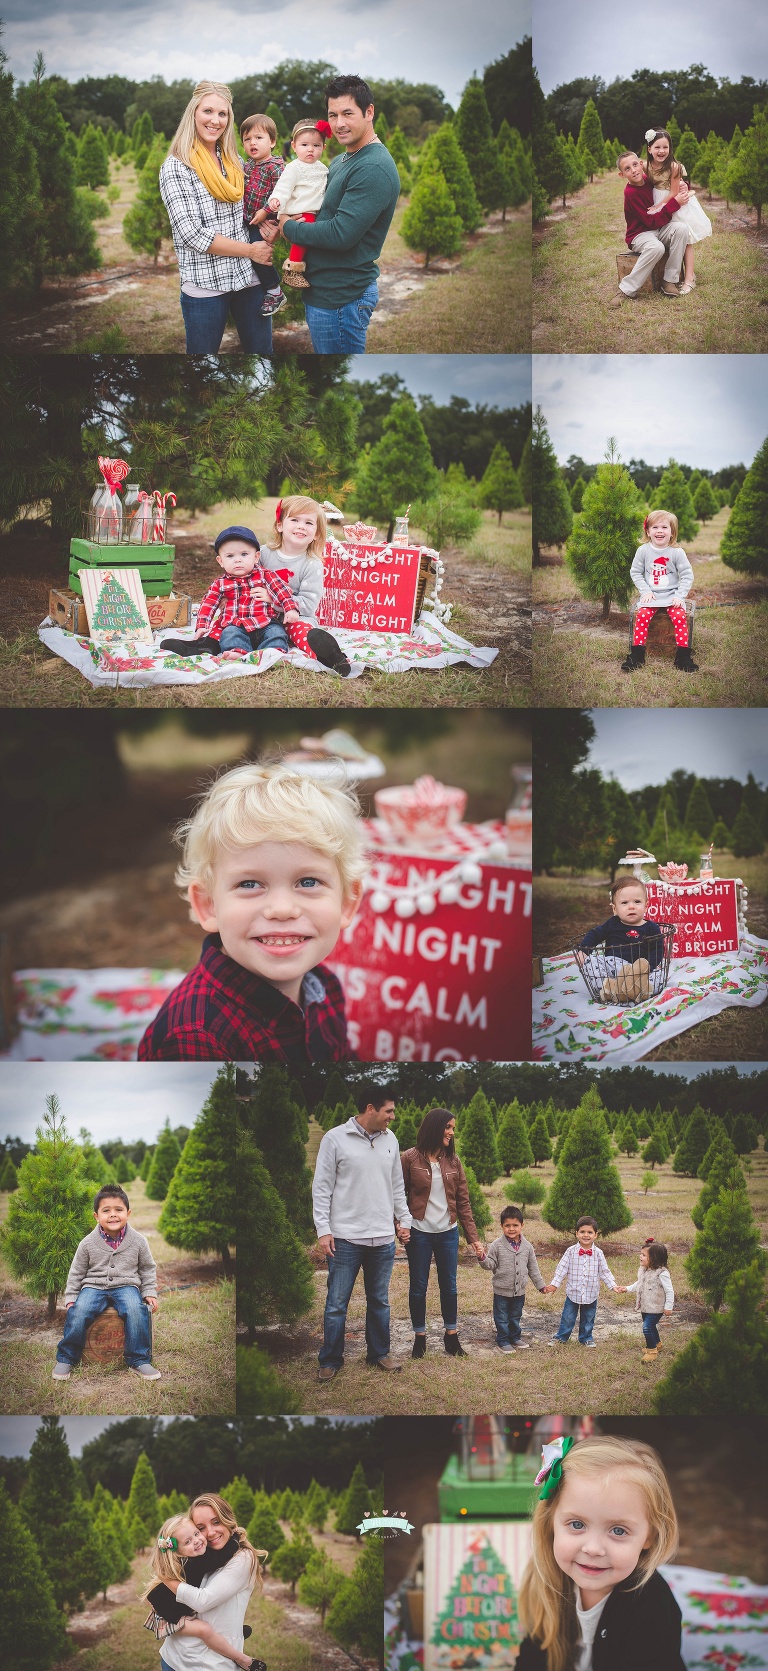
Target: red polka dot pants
x,y
677,616
297,633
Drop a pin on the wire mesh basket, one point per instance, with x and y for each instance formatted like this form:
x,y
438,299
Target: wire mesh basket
x,y
627,981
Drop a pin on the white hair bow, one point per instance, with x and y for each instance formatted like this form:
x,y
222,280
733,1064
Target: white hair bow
x,y
650,133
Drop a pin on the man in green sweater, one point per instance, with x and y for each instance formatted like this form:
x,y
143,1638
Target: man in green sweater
x,y
344,241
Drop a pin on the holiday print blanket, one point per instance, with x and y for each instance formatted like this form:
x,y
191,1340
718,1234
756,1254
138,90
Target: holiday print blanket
x,y
725,1623
430,646
567,1023
86,1015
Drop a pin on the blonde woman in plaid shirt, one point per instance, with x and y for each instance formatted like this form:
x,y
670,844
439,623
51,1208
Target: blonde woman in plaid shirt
x,y
583,1267
202,185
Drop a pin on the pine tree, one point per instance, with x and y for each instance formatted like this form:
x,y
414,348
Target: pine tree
x,y
720,1145
444,148
119,1526
728,1241
744,545
587,1180
397,145
319,1583
735,491
625,1138
52,1511
744,1135
672,494
398,469
146,223
278,118
165,1160
355,1615
478,1140
406,1131
704,501
275,1281
316,1506
481,1212
31,1625
525,472
9,1177
381,128
475,137
90,1568
698,812
746,839
648,1181
70,241
241,1499
577,494
293,1557
693,1145
539,1140
355,1502
146,1166
430,222
724,1173
723,1371
606,534
264,1529
523,1190
95,1166
260,1390
665,831
748,173
512,1141
121,1171
22,254
199,1211
656,1150
591,143
92,158
552,514
276,1127
688,151
50,1212
499,488
142,1497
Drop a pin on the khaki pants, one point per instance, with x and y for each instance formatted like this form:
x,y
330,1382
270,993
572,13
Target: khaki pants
x,y
649,247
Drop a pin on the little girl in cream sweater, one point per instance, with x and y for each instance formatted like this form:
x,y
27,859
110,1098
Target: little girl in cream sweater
x,y
300,190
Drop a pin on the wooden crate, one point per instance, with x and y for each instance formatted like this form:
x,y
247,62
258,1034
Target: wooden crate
x,y
425,570
626,261
105,1340
67,610
154,563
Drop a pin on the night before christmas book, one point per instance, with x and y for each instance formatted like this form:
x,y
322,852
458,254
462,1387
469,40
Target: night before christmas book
x,y
115,606
472,1576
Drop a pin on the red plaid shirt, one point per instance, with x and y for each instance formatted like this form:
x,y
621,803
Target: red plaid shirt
x,y
260,181
232,602
220,1012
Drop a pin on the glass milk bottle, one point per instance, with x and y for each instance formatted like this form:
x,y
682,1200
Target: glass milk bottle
x,y
105,517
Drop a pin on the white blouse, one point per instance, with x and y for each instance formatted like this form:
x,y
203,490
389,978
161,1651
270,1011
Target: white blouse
x,y
589,1619
221,1600
437,1216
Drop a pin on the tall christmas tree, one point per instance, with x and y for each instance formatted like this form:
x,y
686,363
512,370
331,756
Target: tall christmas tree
x,y
92,158
475,136
446,150
704,501
499,488
320,1583
51,1508
723,1371
142,1497
355,1502
275,1280
727,1242
33,1631
693,1144
460,1627
146,223
587,1180
512,1140
164,1162
748,173
398,468
539,1139
552,513
746,838
264,1529
698,812
199,1211
355,1615
724,1173
591,142
478,1140
606,534
276,1127
50,1212
672,494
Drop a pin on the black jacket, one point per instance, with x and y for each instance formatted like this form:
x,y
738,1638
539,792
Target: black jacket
x,y
639,1630
195,1568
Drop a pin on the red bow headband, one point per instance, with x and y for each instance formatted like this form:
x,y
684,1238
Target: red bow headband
x,y
279,511
324,128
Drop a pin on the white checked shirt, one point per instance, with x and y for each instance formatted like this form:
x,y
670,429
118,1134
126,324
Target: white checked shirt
x,y
583,1274
196,217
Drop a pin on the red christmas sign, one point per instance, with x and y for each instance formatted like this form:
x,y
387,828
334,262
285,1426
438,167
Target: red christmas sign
x,y
705,914
453,986
367,595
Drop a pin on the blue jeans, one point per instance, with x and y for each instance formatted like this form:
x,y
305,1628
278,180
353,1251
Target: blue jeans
x,y
343,1267
586,1316
90,1303
205,319
271,637
650,1327
444,1244
342,330
507,1311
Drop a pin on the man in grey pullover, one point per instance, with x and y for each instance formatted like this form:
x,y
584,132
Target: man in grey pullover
x,y
359,1206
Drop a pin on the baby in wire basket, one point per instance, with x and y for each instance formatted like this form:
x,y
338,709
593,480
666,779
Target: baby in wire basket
x,y
633,948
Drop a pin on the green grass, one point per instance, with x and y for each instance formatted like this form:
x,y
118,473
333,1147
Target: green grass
x,y
193,1344
482,307
610,1381
575,279
574,669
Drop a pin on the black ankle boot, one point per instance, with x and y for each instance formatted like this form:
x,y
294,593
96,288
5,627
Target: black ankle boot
x,y
636,658
684,660
328,651
419,1346
453,1345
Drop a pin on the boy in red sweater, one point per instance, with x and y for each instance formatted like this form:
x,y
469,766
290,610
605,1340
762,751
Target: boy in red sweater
x,y
650,236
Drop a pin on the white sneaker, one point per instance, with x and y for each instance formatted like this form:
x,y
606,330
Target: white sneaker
x,y
147,1372
523,1346
504,1348
61,1372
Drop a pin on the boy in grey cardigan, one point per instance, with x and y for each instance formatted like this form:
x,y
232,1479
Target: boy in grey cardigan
x,y
512,1260
112,1266
663,577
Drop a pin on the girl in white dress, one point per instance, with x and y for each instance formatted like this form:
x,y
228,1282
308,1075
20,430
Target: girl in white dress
x,y
664,170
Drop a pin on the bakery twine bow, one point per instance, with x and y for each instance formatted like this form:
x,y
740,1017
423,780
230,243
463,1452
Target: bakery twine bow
x,y
167,1543
549,1478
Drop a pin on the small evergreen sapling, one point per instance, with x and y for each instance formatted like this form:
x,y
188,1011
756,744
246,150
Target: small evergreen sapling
x,y
524,1190
146,223
398,469
478,1140
50,1212
723,1371
481,1212
199,1210
656,1150
260,1390
9,1177
704,501
355,1502
499,488
264,1529
746,838
319,1583
727,1242
164,1162
606,535
430,223
672,494
293,1557
512,1141
587,1180
648,1181
355,1615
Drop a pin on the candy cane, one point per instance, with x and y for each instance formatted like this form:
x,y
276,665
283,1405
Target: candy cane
x,y
158,527
144,525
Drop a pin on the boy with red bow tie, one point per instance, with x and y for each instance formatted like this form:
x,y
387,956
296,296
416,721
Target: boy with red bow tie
x,y
583,1267
663,576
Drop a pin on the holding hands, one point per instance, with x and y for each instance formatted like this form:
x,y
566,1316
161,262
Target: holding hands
x,y
479,1249
403,1235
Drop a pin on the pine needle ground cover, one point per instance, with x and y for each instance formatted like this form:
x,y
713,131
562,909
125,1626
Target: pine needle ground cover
x,y
609,1380
193,1334
578,655
575,278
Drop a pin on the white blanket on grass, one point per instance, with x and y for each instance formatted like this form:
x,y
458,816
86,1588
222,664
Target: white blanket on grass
x,y
431,646
566,1023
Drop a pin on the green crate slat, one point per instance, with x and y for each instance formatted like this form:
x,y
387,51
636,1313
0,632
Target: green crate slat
x,y
101,556
156,585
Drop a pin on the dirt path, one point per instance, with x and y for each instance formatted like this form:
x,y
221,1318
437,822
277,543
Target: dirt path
x,y
304,1623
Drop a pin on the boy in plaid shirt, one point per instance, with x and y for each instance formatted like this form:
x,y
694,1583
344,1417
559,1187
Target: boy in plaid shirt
x,y
262,172
273,871
583,1267
246,608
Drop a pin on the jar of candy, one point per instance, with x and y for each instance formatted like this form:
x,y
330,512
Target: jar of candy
x,y
706,872
105,517
130,506
142,520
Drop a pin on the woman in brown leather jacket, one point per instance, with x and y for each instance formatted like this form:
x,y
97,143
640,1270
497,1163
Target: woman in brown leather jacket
x,y
437,1195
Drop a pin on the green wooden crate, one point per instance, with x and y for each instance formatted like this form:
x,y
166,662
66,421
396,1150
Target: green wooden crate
x,y
154,563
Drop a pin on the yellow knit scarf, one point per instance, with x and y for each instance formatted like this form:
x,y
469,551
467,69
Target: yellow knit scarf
x,y
227,187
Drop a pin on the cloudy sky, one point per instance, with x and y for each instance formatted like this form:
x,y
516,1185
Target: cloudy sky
x,y
111,1099
639,747
483,379
597,37
706,410
17,1432
438,41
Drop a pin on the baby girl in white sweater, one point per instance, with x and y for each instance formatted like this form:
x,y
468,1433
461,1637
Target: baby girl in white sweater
x,y
300,190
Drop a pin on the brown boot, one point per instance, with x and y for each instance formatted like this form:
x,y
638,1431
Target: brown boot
x,y
326,1372
293,274
389,1364
650,1354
